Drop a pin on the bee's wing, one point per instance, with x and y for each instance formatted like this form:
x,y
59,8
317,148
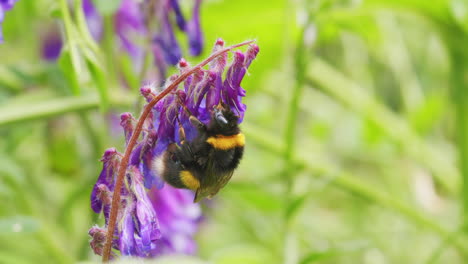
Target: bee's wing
x,y
223,180
218,181
212,179
197,197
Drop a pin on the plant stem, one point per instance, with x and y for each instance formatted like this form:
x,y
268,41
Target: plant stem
x,y
56,106
133,140
70,34
83,27
460,98
301,60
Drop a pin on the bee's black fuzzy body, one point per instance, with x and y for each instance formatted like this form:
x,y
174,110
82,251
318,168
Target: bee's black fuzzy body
x,y
206,163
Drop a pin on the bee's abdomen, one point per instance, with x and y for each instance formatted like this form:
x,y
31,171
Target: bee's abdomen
x,y
189,180
221,142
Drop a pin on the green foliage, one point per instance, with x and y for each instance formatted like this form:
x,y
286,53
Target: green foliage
x,y
357,133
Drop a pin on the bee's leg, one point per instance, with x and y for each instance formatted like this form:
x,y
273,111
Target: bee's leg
x,y
181,131
197,123
193,119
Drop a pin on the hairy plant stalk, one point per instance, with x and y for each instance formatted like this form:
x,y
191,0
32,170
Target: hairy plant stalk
x,y
133,140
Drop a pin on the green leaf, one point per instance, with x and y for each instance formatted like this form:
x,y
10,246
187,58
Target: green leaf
x,y
18,224
66,66
71,63
127,69
295,205
98,76
106,7
459,9
82,27
258,196
425,116
13,257
319,256
246,254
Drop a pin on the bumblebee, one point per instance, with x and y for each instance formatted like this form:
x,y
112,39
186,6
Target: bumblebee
x,y
206,163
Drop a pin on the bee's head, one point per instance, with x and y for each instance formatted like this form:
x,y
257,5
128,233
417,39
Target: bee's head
x,y
223,120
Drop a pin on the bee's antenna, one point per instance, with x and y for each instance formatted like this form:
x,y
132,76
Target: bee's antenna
x,y
181,103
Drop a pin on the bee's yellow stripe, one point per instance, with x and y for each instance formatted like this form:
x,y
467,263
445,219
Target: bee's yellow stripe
x,y
189,180
227,142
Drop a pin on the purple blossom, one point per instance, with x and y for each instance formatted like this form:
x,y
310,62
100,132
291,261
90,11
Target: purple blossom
x,y
93,19
167,41
148,222
178,219
154,219
105,182
130,27
128,124
98,238
127,244
51,45
202,91
178,13
194,32
5,5
133,24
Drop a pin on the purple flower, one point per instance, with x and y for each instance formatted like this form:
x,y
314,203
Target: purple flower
x,y
154,219
5,5
178,219
166,48
98,238
167,41
93,19
203,91
133,24
179,16
128,124
130,27
194,32
51,45
105,182
127,245
148,222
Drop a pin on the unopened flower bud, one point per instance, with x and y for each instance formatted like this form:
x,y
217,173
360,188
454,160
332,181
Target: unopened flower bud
x,y
128,124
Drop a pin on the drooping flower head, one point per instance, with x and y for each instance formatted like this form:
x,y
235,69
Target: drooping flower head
x,y
5,5
139,26
149,23
154,219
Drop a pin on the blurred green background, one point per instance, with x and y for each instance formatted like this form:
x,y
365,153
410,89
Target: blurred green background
x,y
357,134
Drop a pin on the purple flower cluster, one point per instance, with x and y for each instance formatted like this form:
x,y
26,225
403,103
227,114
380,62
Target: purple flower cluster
x,y
154,219
178,219
140,26
5,5
134,20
